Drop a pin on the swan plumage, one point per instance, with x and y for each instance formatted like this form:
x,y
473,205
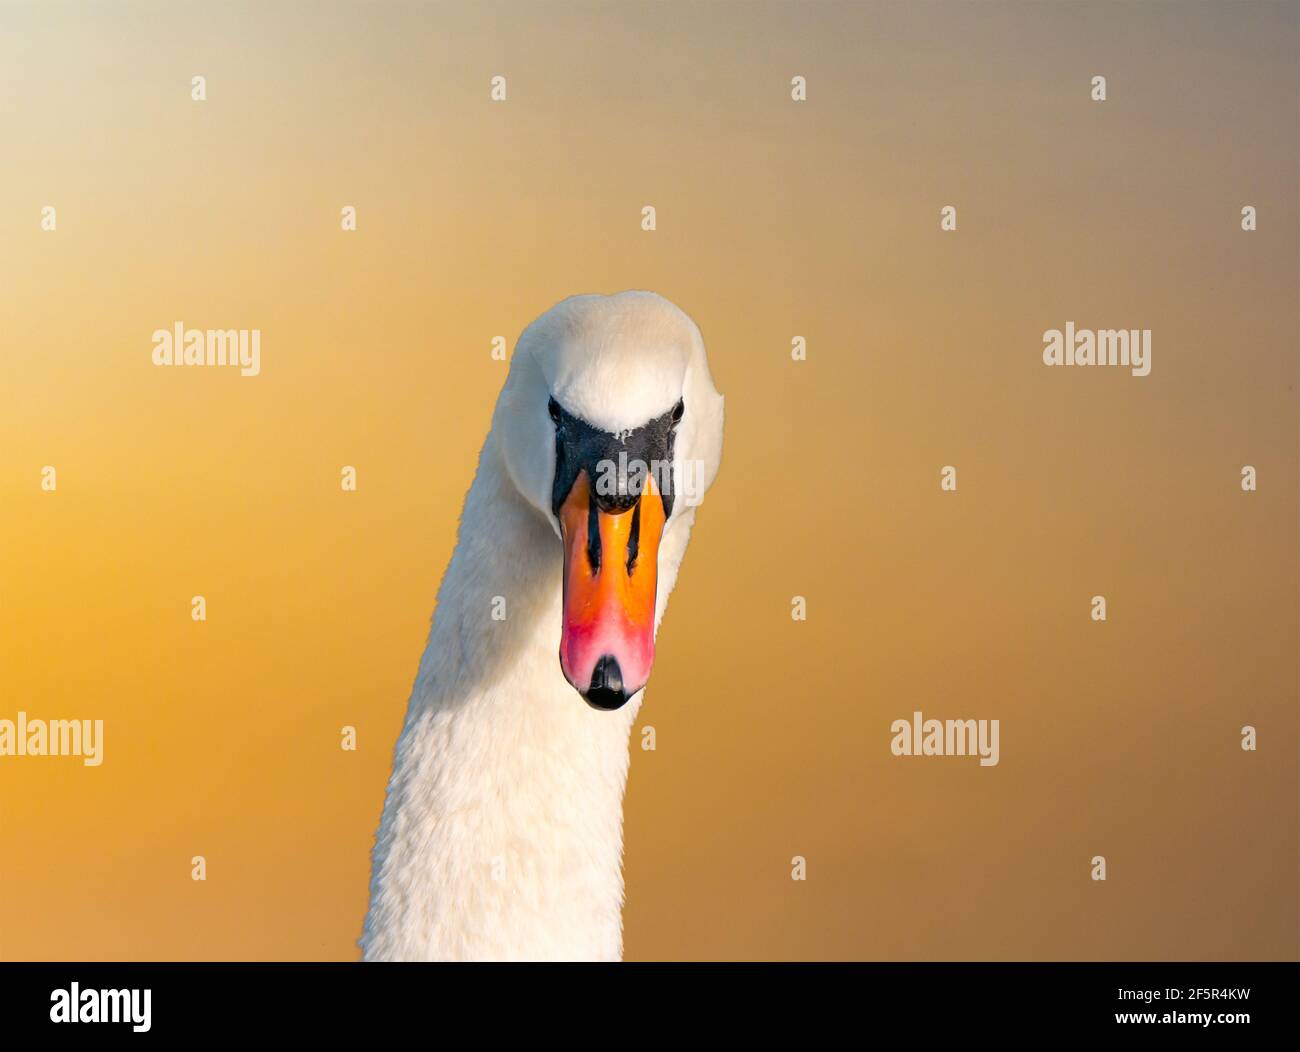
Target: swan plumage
x,y
501,834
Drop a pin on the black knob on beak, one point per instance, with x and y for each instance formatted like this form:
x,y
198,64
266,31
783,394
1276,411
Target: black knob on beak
x,y
606,690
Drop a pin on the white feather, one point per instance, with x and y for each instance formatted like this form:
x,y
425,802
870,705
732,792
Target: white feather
x,y
501,837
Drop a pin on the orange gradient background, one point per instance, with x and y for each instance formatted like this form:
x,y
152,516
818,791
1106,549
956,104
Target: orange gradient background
x,y
775,220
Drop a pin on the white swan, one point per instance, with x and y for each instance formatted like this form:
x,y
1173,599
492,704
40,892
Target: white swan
x,y
502,831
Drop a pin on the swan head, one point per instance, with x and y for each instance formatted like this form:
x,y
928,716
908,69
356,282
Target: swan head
x,y
612,429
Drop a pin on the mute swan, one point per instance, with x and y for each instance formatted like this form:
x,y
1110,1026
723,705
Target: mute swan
x,y
502,831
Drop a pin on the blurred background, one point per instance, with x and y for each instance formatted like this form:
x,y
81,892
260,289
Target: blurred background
x,y
776,219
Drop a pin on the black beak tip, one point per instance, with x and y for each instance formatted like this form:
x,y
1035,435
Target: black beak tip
x,y
606,691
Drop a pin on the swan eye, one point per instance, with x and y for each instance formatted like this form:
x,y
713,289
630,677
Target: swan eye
x,y
678,410
553,407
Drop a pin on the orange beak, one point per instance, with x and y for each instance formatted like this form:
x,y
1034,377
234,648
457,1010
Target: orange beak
x,y
611,561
